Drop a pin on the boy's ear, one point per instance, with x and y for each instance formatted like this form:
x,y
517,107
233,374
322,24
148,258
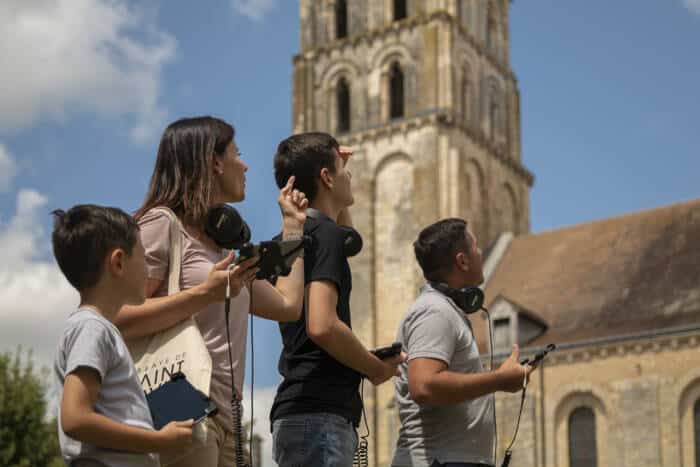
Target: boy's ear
x,y
115,262
326,178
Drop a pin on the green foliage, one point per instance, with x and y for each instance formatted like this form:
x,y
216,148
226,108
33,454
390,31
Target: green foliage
x,y
27,439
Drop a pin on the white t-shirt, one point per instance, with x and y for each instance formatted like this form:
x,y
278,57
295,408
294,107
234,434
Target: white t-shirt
x,y
89,340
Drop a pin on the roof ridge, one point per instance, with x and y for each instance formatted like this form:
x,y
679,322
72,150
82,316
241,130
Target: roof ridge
x,y
616,218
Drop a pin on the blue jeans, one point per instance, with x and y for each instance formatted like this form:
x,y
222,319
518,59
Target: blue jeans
x,y
318,440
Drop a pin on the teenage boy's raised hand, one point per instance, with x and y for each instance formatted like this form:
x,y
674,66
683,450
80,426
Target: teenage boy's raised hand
x,y
293,204
345,152
388,369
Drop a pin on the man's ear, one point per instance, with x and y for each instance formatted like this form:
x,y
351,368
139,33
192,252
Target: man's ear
x,y
462,261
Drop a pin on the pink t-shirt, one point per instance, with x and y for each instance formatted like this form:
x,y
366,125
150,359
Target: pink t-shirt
x,y
197,262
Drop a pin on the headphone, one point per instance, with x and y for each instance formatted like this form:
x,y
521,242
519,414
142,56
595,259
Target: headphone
x,y
468,299
352,241
226,227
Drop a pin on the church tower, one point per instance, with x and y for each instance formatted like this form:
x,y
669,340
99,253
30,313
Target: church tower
x,y
424,93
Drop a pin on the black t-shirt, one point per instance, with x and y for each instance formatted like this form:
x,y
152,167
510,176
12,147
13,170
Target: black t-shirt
x,y
313,380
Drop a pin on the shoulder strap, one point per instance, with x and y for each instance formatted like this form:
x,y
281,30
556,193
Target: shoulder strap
x,y
175,259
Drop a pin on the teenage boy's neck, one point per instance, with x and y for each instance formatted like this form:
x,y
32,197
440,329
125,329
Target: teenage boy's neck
x,y
101,303
326,207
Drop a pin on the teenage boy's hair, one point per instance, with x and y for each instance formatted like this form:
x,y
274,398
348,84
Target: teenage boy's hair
x,y
304,156
85,235
437,245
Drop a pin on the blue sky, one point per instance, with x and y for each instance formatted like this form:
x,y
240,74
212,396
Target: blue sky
x,y
609,117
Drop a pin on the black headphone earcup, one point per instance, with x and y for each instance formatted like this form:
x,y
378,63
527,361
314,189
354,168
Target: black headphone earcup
x,y
226,227
469,300
245,233
352,243
472,299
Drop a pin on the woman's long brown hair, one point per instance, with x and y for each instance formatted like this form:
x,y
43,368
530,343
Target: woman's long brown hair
x,y
183,175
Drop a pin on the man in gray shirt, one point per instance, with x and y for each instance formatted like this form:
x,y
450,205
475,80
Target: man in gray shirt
x,y
444,395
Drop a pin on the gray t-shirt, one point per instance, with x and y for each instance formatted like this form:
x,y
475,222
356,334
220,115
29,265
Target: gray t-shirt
x,y
435,328
90,340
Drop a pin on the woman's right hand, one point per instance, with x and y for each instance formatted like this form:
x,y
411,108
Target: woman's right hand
x,y
240,274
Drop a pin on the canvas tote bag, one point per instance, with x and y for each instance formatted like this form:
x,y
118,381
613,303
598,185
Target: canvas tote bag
x,y
180,348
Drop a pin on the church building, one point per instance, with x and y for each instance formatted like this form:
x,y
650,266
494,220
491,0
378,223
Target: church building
x,y
424,92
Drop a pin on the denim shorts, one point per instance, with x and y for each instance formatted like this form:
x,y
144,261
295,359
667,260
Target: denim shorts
x,y
318,439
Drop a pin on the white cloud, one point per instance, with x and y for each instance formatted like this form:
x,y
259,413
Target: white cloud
x,y
64,57
263,399
692,5
253,9
8,169
35,298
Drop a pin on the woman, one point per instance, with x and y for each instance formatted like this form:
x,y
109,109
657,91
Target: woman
x,y
198,166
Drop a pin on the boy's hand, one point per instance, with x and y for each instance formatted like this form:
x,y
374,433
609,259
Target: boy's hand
x,y
345,152
293,204
388,369
175,435
513,373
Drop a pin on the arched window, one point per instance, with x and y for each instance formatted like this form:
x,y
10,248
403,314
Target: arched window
x,y
466,98
343,105
463,12
341,19
490,33
494,112
400,10
582,438
696,423
396,91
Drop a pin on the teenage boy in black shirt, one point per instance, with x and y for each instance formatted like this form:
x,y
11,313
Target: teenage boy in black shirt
x,y
318,406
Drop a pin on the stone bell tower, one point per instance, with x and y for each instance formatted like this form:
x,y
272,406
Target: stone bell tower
x,y
424,93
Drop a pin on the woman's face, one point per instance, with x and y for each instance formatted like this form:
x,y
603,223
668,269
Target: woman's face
x,y
229,175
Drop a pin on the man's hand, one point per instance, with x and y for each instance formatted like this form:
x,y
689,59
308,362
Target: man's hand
x,y
512,373
387,369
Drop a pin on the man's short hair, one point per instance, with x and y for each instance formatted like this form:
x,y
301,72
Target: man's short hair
x,y
304,156
437,245
84,236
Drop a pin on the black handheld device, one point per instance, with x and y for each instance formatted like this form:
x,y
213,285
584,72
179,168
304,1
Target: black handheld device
x,y
389,351
539,356
275,257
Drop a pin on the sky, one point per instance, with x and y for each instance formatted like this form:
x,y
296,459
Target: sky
x,y
609,97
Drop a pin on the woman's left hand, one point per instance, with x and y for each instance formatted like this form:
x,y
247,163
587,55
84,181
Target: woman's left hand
x,y
293,204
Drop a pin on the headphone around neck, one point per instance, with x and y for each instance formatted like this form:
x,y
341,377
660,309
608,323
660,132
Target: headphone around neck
x,y
468,299
226,227
352,241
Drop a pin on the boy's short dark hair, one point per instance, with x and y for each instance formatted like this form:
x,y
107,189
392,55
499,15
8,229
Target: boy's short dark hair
x,y
83,236
304,156
437,244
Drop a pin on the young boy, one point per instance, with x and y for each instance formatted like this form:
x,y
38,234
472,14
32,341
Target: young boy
x,y
103,417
